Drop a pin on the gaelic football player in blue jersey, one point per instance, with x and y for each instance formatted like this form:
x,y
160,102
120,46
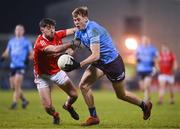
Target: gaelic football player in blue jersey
x,y
104,60
146,56
19,50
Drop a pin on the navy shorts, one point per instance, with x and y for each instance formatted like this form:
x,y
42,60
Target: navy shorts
x,y
115,70
142,75
19,70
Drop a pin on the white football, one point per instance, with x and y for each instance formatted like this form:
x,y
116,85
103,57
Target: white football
x,y
63,60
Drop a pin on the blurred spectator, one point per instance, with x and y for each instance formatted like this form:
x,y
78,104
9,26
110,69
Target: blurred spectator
x,y
19,50
166,65
145,56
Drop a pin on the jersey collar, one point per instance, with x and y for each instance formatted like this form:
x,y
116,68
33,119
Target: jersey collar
x,y
87,23
44,37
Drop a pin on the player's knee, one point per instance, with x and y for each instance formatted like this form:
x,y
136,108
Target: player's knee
x,y
46,103
83,88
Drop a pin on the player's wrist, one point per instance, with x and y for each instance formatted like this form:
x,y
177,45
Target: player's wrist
x,y
72,44
74,30
75,44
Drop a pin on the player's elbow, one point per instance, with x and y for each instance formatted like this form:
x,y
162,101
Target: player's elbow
x,y
96,57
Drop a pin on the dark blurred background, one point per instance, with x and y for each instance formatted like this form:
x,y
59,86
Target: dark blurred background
x,y
158,19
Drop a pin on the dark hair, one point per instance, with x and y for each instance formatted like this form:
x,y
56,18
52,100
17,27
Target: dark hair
x,y
47,21
83,11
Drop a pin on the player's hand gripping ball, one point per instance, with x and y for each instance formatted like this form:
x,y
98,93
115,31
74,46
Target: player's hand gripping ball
x,y
67,63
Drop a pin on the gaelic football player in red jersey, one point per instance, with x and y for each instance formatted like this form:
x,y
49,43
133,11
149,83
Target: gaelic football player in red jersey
x,y
166,64
48,47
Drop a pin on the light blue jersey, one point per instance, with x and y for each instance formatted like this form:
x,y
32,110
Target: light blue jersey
x,y
94,33
145,57
18,49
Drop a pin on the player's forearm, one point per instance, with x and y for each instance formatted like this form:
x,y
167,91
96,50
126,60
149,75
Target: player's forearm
x,y
58,49
3,57
70,31
92,58
63,47
175,66
31,55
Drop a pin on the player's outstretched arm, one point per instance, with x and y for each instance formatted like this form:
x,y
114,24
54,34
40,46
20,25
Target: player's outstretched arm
x,y
70,31
61,48
57,49
95,55
95,49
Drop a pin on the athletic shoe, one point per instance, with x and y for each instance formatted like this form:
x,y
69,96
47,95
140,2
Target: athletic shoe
x,y
13,106
25,104
147,110
56,118
172,102
72,112
91,121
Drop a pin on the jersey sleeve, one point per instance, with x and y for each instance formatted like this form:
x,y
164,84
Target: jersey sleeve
x,y
61,33
94,35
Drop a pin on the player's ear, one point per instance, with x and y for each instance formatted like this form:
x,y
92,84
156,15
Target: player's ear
x,y
41,29
86,18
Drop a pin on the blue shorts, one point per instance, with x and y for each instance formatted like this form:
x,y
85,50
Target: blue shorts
x,y
142,75
115,70
18,70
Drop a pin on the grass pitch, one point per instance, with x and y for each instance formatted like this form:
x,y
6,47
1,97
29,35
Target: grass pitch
x,y
113,113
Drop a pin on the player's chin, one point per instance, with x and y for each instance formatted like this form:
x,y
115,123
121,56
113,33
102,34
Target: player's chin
x,y
50,37
78,27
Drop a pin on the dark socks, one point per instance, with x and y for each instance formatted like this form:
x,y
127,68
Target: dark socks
x,y
13,105
70,101
23,98
51,111
92,111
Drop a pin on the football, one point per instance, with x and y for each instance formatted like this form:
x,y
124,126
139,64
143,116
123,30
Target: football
x,y
63,60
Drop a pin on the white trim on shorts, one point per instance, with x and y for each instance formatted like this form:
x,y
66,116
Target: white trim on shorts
x,y
47,80
166,78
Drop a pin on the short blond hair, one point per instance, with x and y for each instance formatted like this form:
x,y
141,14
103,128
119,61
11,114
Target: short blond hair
x,y
83,11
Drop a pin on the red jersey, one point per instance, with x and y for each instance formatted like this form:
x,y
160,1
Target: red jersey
x,y
45,63
166,62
